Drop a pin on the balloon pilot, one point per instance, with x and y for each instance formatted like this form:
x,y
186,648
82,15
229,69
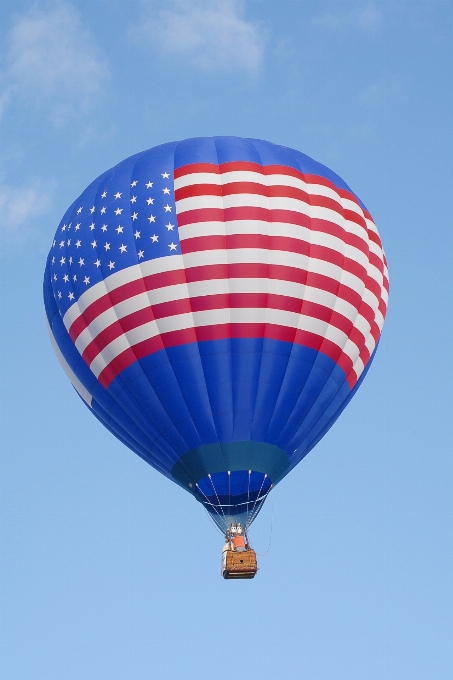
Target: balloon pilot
x,y
238,557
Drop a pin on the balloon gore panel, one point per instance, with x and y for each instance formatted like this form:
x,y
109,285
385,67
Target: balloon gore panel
x,y
216,302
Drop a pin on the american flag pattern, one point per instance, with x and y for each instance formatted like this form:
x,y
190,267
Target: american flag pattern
x,y
183,245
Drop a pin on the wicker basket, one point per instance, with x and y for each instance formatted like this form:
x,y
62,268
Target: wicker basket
x,y
240,564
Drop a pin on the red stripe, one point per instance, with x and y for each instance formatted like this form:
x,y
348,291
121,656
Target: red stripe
x,y
221,332
374,237
195,168
281,243
218,271
124,292
275,191
221,301
249,213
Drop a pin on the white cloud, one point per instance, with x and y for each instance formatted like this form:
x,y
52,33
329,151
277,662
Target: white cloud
x,y
366,18
20,206
53,61
212,34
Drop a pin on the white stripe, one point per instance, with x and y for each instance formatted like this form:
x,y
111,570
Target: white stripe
x,y
223,316
359,367
282,180
86,396
310,236
371,226
219,287
270,203
238,176
277,257
374,248
212,257
118,279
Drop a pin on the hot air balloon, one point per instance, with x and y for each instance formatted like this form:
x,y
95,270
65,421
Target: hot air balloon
x,y
216,302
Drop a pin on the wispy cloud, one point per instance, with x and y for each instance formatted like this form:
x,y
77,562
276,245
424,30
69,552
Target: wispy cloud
x,y
211,34
52,61
366,18
21,206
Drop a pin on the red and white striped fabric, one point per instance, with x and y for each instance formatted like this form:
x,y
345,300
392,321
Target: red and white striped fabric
x,y
265,252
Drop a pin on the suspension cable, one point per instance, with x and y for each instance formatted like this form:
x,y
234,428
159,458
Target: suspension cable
x,y
272,524
218,500
248,499
211,504
262,484
213,521
255,514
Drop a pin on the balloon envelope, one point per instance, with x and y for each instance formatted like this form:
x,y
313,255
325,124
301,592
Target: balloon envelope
x,y
216,303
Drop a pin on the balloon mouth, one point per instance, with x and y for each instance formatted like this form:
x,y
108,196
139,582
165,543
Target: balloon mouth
x,y
233,497
237,456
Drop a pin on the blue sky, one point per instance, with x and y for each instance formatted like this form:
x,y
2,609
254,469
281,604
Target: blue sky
x,y
109,570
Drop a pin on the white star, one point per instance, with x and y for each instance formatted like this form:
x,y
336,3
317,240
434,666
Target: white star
x,y
54,277
103,210
59,295
86,280
70,260
107,246
104,227
81,261
170,226
77,226
172,246
98,263
69,242
61,244
91,226
118,195
94,244
123,248
78,243
118,211
149,185
69,225
62,261
165,175
74,278
111,265
65,278
92,209
63,228
53,260
104,194
119,229
53,244
151,218
79,210
134,183
166,190
134,199
167,208
134,216
150,201
154,238
137,234
140,254
71,296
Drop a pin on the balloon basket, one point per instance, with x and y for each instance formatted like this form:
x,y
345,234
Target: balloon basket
x,y
239,564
